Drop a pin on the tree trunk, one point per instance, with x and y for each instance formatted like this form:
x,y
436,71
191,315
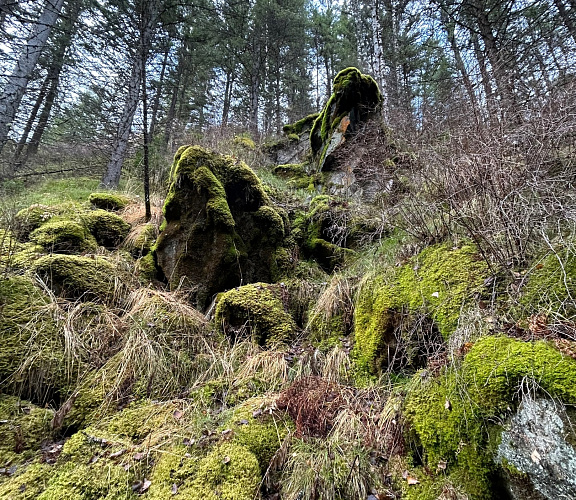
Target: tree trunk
x,y
144,54
111,177
156,105
31,120
44,116
18,80
227,98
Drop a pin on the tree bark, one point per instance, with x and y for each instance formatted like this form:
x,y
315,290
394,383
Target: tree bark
x,y
567,18
156,105
18,80
111,177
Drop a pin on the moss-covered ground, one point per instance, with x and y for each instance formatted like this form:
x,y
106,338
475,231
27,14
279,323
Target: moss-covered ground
x,y
368,362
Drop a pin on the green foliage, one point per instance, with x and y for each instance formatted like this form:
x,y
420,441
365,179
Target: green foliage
x,y
440,280
109,201
256,309
245,141
453,416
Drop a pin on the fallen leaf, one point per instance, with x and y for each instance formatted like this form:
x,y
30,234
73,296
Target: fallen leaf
x,y
257,413
174,489
243,422
436,294
145,485
177,414
405,474
448,405
226,432
138,456
188,442
442,465
412,480
136,486
226,460
94,459
117,453
535,456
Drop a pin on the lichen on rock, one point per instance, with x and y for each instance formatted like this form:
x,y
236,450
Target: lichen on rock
x,y
455,416
221,229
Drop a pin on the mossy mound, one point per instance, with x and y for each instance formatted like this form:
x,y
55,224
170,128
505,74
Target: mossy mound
x,y
260,432
63,235
454,416
109,201
23,427
32,218
257,311
438,281
356,98
551,285
32,360
75,277
322,232
108,228
221,229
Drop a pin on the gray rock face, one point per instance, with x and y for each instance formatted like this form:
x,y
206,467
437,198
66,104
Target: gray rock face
x,y
537,445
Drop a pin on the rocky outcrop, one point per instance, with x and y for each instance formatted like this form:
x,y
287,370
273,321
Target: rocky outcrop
x,y
537,451
221,230
356,99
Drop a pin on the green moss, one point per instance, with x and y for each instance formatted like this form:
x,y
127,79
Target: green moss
x,y
28,483
108,228
109,201
176,467
262,435
229,472
551,284
439,281
141,240
78,277
32,218
352,90
245,141
300,126
63,235
454,416
147,271
256,309
23,427
24,258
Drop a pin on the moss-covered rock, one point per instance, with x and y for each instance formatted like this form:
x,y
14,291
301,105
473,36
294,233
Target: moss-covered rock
x,y
455,416
75,277
32,218
108,228
356,98
301,126
322,231
439,281
109,201
221,229
551,284
23,427
63,235
255,310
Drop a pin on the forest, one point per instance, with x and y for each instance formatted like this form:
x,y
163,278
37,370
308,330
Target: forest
x,y
288,249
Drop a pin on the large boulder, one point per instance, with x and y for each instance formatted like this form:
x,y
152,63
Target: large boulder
x,y
355,100
221,230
